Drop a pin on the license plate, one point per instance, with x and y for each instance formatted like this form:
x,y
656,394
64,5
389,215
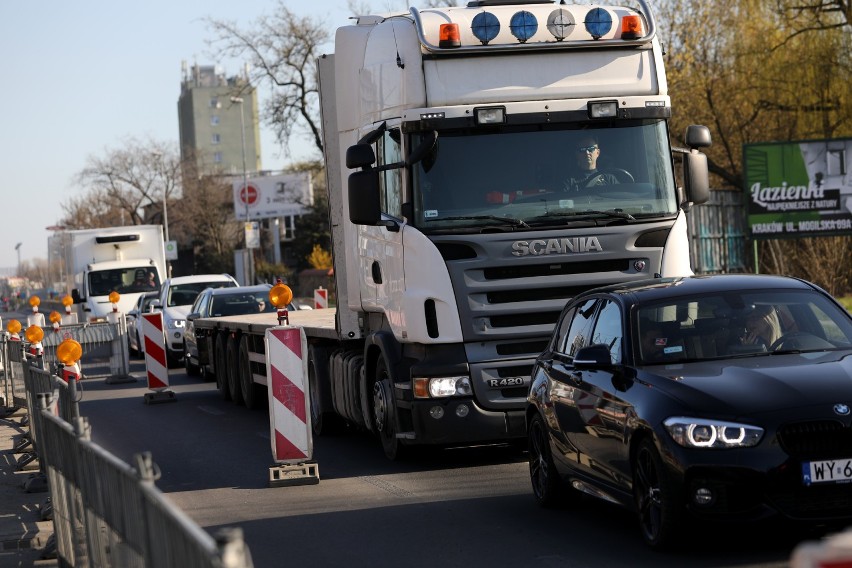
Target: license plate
x,y
827,471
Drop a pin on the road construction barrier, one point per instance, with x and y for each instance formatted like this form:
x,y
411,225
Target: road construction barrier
x,y
834,551
106,338
289,407
320,298
156,362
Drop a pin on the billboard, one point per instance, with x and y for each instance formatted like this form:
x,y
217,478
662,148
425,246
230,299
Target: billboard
x,y
267,197
799,189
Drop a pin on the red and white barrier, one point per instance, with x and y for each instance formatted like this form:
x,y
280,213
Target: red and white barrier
x,y
156,366
289,407
320,298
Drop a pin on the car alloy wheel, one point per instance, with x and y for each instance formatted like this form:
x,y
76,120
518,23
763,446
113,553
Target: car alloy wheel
x,y
546,484
655,498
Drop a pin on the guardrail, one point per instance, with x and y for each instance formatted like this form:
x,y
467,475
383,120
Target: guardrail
x,y
105,511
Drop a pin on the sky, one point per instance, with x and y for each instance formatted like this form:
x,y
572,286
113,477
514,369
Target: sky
x,y
81,78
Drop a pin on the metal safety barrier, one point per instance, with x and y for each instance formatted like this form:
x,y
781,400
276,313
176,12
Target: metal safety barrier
x,y
94,338
105,512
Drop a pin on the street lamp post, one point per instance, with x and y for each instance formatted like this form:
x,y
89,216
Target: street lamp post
x,y
159,156
18,249
245,177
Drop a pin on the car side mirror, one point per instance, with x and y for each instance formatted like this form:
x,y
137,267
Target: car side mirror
x,y
593,356
155,304
193,316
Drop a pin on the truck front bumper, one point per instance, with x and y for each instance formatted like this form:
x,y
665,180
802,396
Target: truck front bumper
x,y
462,422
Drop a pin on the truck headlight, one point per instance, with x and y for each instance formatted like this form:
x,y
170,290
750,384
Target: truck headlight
x,y
704,433
441,387
177,324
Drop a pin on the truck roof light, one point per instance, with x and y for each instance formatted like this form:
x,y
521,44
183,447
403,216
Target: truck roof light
x,y
631,27
485,27
560,23
523,25
490,115
448,36
598,22
603,109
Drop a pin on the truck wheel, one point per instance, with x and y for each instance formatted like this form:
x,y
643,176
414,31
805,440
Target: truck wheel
x,y
232,364
384,413
221,366
249,390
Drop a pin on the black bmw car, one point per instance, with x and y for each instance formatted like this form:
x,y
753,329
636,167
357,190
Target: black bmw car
x,y
716,397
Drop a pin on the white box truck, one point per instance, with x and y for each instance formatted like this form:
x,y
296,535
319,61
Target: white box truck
x,y
461,223
129,260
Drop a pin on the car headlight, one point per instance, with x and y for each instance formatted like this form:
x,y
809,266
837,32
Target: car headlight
x,y
175,324
704,433
441,387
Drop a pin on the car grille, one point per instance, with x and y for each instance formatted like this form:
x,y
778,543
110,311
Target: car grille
x,y
816,440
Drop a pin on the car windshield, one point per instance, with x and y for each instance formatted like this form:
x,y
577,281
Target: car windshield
x,y
735,324
544,176
238,304
185,294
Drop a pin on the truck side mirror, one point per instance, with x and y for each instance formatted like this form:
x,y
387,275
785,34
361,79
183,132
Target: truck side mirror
x,y
365,206
695,172
360,156
75,296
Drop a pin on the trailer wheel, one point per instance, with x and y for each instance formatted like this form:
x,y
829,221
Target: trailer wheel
x,y
249,390
232,364
384,413
221,366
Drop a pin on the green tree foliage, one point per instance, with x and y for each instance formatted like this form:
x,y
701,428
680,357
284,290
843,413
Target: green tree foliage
x,y
762,71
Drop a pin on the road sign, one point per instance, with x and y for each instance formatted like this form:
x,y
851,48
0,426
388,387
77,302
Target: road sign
x,y
248,194
171,250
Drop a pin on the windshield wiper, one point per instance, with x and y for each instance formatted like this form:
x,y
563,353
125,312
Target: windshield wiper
x,y
507,220
585,214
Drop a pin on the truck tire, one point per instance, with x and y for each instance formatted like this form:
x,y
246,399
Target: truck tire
x,y
384,413
221,366
322,423
250,392
232,363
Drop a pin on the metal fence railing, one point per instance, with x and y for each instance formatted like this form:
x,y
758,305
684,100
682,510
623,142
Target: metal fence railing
x,y
106,513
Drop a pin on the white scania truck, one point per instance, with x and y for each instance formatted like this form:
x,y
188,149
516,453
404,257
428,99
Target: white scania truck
x,y
450,137
129,260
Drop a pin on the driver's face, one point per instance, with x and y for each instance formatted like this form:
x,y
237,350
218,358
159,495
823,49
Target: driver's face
x,y
587,152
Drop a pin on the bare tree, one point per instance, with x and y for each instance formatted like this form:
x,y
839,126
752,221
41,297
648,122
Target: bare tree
x,y
282,49
121,185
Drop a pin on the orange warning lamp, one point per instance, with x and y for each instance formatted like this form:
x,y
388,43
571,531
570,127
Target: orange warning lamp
x,y
280,295
114,297
35,301
67,300
69,352
13,327
55,317
34,334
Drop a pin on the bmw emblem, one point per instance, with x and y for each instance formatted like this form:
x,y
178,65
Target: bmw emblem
x,y
841,409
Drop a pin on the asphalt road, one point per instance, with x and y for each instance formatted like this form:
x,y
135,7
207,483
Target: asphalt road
x,y
451,508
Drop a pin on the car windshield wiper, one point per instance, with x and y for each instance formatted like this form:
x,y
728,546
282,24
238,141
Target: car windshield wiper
x,y
506,220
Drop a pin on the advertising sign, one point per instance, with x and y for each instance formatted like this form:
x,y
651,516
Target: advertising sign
x,y
798,189
267,197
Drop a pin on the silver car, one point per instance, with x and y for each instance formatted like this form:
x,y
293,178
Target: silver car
x,y
134,332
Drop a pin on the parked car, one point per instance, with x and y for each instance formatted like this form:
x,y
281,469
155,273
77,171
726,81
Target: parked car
x,y
217,302
721,397
134,326
176,297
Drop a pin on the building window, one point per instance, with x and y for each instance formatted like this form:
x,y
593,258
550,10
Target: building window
x,y
217,157
216,138
214,120
214,103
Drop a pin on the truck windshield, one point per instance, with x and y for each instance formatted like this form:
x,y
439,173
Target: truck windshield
x,y
543,176
123,280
